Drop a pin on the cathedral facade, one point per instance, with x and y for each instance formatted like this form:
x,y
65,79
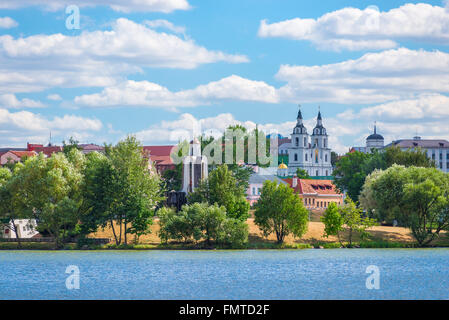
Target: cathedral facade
x,y
310,152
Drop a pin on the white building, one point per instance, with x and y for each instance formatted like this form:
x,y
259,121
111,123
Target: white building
x,y
437,150
373,141
26,228
310,153
194,167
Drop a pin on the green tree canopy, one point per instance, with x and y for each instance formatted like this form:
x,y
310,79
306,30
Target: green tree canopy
x,y
352,169
345,219
223,189
417,197
279,210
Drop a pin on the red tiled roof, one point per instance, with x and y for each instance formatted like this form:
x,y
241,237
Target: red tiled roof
x,y
311,186
161,160
21,154
90,146
48,151
158,150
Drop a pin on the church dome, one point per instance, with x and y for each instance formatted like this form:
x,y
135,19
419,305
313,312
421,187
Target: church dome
x,y
375,136
282,166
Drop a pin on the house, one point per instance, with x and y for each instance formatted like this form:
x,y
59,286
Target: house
x,y
15,156
90,147
256,181
316,194
26,228
435,149
160,157
48,150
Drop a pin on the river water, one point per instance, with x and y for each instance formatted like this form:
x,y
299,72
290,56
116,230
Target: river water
x,y
246,274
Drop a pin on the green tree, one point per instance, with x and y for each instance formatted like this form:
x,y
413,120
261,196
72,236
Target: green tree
x,y
8,210
280,211
411,157
347,218
49,189
136,192
199,221
223,189
350,173
302,174
417,197
70,145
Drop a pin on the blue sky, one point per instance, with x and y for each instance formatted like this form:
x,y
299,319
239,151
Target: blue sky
x,y
202,65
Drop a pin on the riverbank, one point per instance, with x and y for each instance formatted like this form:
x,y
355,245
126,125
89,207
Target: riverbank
x,y
380,237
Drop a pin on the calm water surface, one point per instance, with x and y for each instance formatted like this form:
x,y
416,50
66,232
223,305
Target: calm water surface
x,y
267,274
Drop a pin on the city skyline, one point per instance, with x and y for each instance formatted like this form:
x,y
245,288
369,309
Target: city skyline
x,y
191,64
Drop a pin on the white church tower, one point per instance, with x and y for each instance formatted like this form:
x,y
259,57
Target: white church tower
x,y
194,167
313,156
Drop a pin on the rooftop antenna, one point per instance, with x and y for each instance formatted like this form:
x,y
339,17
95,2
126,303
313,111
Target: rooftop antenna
x,y
49,142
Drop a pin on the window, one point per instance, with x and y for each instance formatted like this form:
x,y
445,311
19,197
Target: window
x,y
306,156
258,191
297,141
447,156
441,165
433,156
441,156
296,157
325,158
305,143
254,191
327,173
317,173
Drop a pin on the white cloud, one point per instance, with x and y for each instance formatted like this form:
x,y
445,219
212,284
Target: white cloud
x,y
97,58
355,29
54,97
10,101
144,93
427,115
373,78
165,6
161,23
7,23
17,128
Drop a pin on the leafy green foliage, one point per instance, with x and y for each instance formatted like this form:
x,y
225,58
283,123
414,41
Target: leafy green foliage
x,y
417,197
302,174
121,191
352,169
280,211
223,189
347,218
49,190
200,221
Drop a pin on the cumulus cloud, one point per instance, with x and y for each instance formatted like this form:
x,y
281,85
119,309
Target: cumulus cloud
x,y
24,126
97,58
426,115
11,101
355,29
373,78
54,97
164,6
7,23
148,94
164,24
